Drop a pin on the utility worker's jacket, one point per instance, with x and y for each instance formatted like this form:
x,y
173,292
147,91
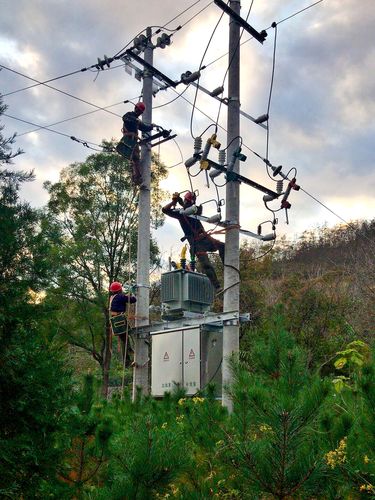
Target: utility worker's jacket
x,y
119,302
132,124
192,228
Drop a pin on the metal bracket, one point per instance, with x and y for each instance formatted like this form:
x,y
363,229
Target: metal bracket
x,y
210,319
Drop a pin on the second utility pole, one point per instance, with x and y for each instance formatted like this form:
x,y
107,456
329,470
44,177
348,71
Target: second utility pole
x,y
141,353
232,237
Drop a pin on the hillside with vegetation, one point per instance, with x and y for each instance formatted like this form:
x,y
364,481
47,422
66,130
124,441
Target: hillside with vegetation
x,y
303,420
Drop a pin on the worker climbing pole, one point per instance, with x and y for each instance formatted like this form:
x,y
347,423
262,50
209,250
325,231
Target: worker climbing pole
x,y
199,240
128,147
118,303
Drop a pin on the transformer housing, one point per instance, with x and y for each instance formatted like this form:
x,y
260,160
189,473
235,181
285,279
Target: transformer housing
x,y
183,290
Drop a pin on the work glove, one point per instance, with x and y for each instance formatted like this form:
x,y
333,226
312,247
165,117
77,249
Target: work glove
x,y
175,196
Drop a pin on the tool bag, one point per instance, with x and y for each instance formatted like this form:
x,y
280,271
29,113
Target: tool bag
x,y
119,324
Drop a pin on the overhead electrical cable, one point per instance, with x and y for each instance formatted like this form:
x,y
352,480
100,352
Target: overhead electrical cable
x,y
173,100
181,13
41,83
259,156
69,119
81,141
232,58
61,91
269,100
195,15
278,22
57,78
200,67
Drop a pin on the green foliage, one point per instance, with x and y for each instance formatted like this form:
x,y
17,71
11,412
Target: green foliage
x,y
35,388
34,383
92,225
350,423
6,153
273,445
350,361
148,451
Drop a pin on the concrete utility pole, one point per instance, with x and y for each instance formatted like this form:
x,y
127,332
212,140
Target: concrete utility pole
x,y
141,354
232,237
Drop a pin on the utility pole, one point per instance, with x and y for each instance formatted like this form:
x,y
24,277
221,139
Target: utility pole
x,y
141,353
232,237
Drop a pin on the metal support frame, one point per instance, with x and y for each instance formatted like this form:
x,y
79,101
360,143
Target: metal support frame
x,y
209,319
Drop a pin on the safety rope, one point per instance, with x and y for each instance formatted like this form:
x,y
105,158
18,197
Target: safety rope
x,y
127,321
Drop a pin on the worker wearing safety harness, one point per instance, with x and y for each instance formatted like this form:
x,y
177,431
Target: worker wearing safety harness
x,y
128,147
200,242
117,306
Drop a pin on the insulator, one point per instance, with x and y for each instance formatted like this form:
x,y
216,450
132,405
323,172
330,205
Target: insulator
x,y
217,91
191,161
261,119
190,210
268,237
190,77
197,144
222,156
214,218
279,186
214,173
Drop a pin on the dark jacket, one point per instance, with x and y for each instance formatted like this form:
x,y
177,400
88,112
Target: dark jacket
x,y
192,228
120,300
132,123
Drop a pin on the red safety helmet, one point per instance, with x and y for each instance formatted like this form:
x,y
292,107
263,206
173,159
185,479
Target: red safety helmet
x,y
115,287
140,106
189,196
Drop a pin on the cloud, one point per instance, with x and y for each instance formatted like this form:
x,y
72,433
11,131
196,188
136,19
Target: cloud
x,y
321,109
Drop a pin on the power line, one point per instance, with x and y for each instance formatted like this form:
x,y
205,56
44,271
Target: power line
x,y
42,83
68,119
278,22
247,147
231,61
58,90
274,25
95,65
182,13
200,67
57,78
174,99
77,116
81,141
196,15
299,12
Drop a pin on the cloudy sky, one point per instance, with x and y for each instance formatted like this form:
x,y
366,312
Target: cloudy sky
x,y
321,116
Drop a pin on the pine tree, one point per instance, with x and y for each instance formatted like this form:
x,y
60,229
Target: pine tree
x,y
148,450
34,384
272,443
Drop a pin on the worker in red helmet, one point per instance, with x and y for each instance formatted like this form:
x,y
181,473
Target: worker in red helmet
x,y
128,146
200,242
117,305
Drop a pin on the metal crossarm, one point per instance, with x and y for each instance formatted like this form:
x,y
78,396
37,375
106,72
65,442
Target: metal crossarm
x,y
153,70
253,32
